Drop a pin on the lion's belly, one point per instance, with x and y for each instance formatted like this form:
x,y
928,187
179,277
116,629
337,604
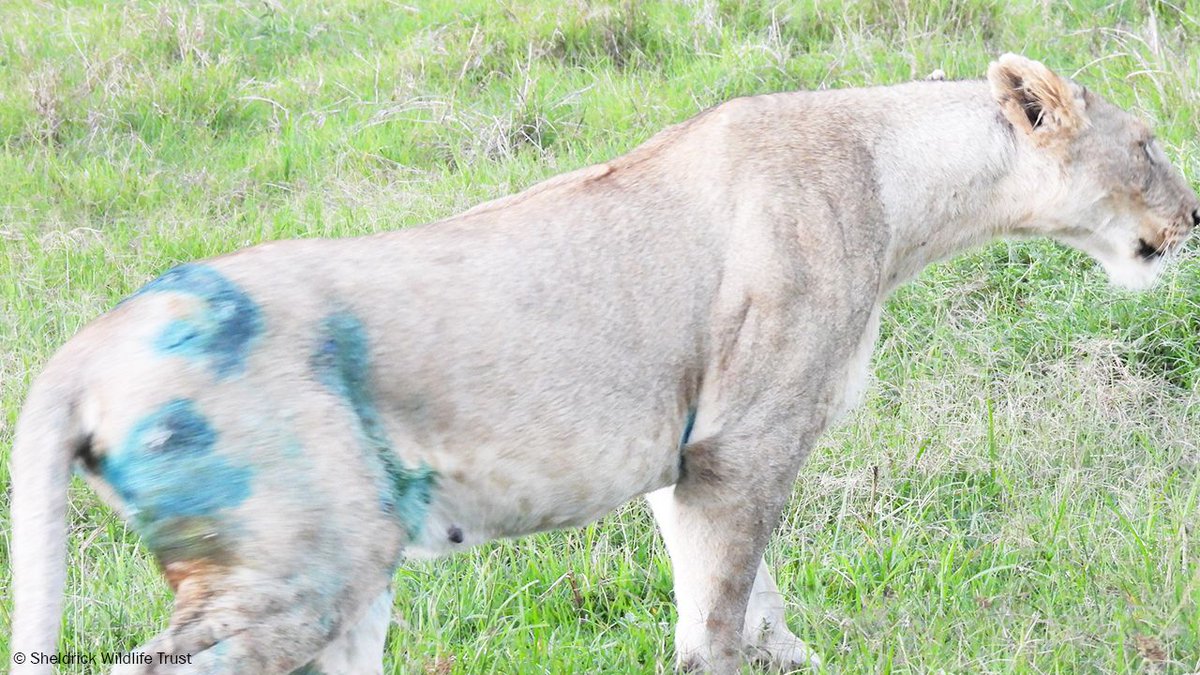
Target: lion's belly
x,y
489,493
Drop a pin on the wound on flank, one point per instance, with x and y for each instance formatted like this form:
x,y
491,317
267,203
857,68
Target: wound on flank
x,y
174,485
341,362
220,334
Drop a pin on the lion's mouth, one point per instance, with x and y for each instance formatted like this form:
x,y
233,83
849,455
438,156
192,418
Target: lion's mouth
x,y
1151,253
1147,251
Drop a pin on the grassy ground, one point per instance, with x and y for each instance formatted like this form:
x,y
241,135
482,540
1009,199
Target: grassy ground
x,y
1019,493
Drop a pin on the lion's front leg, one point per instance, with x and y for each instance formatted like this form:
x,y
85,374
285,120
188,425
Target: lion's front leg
x,y
766,631
716,522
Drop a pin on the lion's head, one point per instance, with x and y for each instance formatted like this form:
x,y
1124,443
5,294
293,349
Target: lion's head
x,y
1117,197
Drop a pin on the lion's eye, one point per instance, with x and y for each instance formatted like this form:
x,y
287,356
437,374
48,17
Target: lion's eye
x,y
1147,150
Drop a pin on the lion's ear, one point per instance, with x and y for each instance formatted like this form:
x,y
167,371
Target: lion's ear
x,y
1036,100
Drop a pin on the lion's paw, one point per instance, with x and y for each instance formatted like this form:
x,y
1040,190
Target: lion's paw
x,y
784,653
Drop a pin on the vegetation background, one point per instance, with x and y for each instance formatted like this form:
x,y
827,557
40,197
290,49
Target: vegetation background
x,y
1018,494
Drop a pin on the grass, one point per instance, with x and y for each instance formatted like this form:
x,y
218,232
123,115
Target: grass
x,y
1020,492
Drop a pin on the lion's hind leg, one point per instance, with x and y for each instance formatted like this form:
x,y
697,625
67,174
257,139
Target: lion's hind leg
x,y
250,622
269,590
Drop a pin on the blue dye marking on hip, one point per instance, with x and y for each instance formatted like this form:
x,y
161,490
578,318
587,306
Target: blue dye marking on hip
x,y
687,427
166,468
222,332
341,362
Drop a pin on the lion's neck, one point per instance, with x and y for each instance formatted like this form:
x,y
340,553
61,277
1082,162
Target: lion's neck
x,y
951,177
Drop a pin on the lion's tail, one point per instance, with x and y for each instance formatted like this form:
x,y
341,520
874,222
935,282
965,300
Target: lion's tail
x,y
47,441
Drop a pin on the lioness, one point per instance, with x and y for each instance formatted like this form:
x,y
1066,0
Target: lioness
x,y
282,425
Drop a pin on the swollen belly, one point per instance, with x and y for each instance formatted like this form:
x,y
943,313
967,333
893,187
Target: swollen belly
x,y
513,494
